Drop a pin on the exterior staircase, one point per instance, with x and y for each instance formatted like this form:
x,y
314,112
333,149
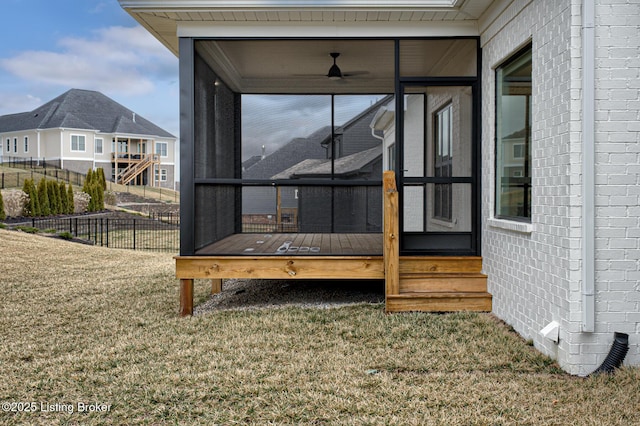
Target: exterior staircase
x,y
440,284
427,283
135,169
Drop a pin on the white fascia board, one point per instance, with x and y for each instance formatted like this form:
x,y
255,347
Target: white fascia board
x,y
374,5
323,30
134,136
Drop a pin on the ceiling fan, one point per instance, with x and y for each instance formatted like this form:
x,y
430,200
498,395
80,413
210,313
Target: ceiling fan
x,y
335,73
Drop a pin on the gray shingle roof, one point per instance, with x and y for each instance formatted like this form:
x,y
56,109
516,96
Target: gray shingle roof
x,y
297,150
343,167
83,109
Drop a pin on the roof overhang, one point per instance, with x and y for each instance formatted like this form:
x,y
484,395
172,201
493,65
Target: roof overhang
x,y
262,46
169,19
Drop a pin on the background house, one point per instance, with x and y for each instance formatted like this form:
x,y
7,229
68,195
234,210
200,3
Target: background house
x,y
83,129
356,148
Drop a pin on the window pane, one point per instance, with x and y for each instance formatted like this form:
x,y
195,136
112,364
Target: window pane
x,y
513,137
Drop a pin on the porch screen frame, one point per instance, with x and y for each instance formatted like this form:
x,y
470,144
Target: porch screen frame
x,y
462,243
189,181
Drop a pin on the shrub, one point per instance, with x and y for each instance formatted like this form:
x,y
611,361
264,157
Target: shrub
x,y
3,216
43,198
54,197
99,194
80,202
101,179
62,196
94,186
32,207
14,201
88,180
71,208
66,235
28,229
110,198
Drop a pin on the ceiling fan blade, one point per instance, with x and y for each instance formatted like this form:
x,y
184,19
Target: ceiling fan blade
x,y
354,73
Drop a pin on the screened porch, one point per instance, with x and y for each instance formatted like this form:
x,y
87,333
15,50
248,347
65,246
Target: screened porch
x,y
287,143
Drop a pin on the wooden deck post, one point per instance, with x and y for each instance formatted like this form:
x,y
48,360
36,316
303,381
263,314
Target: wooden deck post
x,y
391,251
186,297
216,285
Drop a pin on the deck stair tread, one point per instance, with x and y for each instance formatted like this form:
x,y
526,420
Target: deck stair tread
x,y
439,302
440,284
439,294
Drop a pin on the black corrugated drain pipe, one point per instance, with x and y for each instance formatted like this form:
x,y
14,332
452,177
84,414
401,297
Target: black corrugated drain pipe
x,y
616,354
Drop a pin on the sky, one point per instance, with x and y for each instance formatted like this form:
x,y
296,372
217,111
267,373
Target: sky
x,y
50,46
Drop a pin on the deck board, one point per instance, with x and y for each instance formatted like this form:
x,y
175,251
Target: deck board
x,y
296,244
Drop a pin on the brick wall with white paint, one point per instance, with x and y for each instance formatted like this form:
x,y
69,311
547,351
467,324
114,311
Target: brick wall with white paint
x,y
617,135
535,269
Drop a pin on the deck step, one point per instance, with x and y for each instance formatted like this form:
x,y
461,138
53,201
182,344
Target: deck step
x,y
443,282
416,264
439,302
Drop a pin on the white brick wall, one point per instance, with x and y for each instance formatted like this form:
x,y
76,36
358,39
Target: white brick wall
x,y
618,172
535,269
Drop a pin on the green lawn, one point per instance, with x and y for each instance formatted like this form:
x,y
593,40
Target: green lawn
x,y
84,324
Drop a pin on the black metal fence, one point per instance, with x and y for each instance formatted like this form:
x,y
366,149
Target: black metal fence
x,y
132,234
250,226
30,163
16,179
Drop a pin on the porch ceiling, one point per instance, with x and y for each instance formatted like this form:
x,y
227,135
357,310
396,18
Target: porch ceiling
x,y
300,66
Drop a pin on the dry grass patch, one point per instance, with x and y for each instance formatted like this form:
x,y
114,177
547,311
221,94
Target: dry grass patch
x,y
87,324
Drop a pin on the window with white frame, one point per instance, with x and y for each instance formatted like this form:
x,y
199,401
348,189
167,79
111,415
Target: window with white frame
x,y
15,145
8,145
161,149
78,143
26,144
161,175
98,146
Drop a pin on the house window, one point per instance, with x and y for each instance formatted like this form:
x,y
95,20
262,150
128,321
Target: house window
x,y
78,143
391,155
161,149
8,145
98,146
513,137
518,151
26,144
443,161
15,145
161,175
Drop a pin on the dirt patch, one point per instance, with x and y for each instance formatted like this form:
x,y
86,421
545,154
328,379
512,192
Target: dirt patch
x,y
263,294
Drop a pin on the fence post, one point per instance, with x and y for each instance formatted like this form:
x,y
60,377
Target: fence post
x,y
107,232
134,234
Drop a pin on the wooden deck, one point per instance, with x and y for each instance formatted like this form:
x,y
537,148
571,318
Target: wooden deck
x,y
296,245
418,283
